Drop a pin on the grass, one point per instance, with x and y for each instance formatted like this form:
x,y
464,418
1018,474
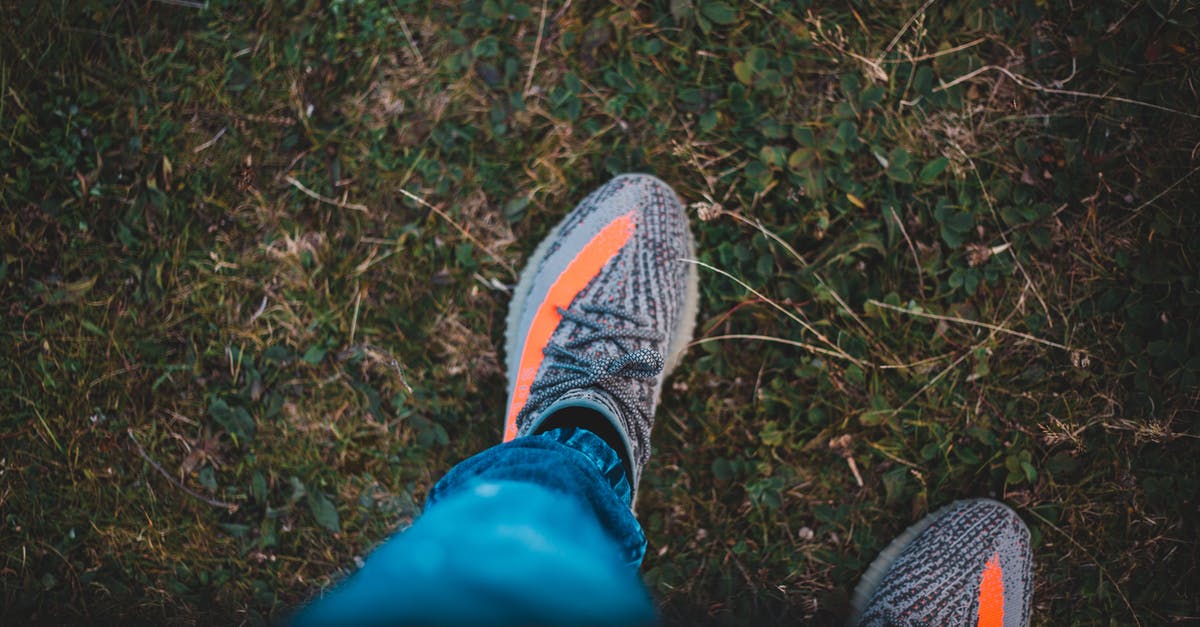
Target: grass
x,y
253,263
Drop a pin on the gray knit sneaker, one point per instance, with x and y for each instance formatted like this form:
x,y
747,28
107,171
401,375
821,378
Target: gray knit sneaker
x,y
968,563
601,315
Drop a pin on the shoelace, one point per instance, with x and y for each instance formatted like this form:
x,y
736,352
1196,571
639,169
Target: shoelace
x,y
577,370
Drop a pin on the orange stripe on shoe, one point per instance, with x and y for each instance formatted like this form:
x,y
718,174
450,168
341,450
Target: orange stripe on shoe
x,y
579,272
991,594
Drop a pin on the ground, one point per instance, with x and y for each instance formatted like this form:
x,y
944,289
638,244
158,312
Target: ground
x,y
255,261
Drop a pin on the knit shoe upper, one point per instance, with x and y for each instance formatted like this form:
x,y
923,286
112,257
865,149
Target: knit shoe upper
x,y
969,563
602,313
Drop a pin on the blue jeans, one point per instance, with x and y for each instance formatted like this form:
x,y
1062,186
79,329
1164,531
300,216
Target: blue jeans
x,y
536,530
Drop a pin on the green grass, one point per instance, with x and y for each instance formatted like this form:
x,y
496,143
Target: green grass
x,y
235,356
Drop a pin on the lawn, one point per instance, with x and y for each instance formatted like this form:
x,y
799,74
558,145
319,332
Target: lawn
x,y
255,262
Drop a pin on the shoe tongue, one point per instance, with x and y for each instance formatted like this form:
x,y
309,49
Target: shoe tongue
x,y
589,398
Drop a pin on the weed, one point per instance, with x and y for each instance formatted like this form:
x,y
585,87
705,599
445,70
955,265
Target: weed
x,y
253,269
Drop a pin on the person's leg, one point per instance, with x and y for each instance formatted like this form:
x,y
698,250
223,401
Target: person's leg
x,y
540,529
968,563
536,530
569,460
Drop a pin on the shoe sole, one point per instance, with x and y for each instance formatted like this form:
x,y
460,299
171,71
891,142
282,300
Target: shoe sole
x,y
869,583
676,347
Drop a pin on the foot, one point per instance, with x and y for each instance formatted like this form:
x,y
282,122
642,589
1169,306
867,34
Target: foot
x,y
601,315
968,563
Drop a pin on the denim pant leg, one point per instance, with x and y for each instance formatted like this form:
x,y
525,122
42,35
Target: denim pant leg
x,y
530,531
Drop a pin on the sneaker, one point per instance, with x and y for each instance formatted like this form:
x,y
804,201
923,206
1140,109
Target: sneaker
x,y
968,563
601,315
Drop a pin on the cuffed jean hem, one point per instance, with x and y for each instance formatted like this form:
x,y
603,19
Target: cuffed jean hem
x,y
574,462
